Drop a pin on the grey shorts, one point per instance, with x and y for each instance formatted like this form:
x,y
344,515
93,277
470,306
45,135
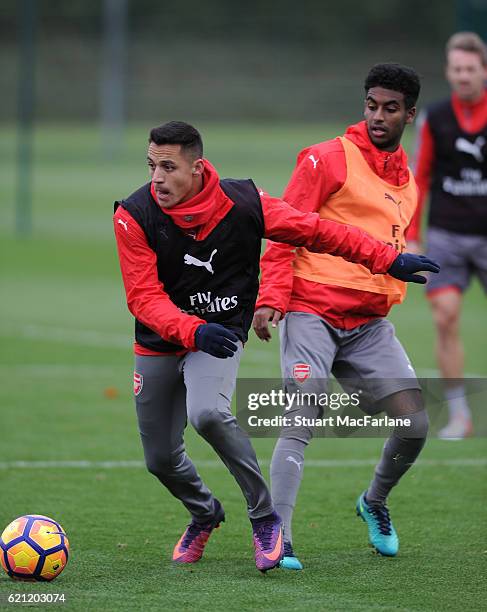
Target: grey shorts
x,y
460,256
369,357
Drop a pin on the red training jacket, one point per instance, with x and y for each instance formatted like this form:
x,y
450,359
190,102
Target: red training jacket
x,y
307,191
472,117
146,297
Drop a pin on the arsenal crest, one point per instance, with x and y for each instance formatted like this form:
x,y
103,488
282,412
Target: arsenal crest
x,y
138,383
301,371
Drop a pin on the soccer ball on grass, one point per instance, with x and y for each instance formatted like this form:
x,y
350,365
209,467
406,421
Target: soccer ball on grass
x,y
34,548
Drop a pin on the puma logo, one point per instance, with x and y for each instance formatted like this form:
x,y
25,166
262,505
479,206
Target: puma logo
x,y
193,261
472,148
315,161
293,460
389,197
124,223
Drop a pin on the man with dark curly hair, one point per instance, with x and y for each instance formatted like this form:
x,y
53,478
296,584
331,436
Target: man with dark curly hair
x,y
333,312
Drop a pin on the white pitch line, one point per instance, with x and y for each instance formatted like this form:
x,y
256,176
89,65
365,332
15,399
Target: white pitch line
x,y
82,337
85,337
47,370
213,463
431,373
75,371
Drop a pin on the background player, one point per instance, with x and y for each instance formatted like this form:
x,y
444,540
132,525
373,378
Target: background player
x,y
189,248
335,310
452,166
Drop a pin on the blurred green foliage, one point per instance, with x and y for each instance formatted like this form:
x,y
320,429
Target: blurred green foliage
x,y
228,60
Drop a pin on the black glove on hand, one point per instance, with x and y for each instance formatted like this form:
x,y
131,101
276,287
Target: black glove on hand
x,y
404,266
216,340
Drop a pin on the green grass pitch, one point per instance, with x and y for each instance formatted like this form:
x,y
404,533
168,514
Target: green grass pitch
x,y
65,338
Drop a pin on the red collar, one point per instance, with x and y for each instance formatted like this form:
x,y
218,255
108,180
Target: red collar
x,y
389,166
471,116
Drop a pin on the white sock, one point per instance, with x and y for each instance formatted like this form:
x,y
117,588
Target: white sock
x,y
457,402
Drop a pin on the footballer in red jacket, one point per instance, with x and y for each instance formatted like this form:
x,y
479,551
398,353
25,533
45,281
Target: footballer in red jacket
x,y
333,313
189,247
451,165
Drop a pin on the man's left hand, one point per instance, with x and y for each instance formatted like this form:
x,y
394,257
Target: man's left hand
x,y
406,264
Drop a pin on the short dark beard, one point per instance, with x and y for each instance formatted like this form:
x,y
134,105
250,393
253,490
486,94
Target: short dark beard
x,y
389,146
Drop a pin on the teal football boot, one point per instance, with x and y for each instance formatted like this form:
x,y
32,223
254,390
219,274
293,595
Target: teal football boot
x,y
382,535
290,561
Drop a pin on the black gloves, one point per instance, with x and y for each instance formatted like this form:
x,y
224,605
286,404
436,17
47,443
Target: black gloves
x,y
216,340
404,266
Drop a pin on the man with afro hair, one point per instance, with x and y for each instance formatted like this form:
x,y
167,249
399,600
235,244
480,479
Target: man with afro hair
x,y
332,312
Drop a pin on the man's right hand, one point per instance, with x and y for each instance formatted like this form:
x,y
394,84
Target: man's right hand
x,y
262,317
216,340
